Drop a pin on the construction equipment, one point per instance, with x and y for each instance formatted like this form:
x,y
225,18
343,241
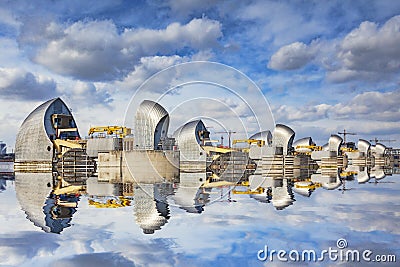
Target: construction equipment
x,y
215,149
344,133
120,131
229,132
258,191
348,149
110,202
65,127
63,146
376,140
307,185
307,149
260,143
348,173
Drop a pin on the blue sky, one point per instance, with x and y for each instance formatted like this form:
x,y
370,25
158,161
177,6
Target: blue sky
x,y
322,65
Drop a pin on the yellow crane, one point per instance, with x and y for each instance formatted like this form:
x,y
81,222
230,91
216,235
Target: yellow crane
x,y
258,191
121,131
114,202
249,141
307,149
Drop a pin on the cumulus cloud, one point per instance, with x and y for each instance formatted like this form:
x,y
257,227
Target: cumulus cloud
x,y
97,51
370,48
88,93
371,105
146,68
304,113
292,56
369,52
23,85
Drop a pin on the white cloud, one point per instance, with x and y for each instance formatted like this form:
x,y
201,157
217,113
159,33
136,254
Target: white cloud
x,y
370,48
280,22
369,52
371,105
23,85
304,113
88,93
292,56
146,68
95,50
9,19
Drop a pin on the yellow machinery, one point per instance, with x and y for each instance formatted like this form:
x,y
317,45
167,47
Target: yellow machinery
x,y
111,203
348,173
250,141
307,149
63,146
348,149
63,187
215,149
311,186
111,130
313,148
258,191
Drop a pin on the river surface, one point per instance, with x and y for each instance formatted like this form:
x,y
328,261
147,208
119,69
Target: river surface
x,y
236,230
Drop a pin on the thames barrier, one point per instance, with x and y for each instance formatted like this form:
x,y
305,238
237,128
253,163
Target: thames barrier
x,y
53,162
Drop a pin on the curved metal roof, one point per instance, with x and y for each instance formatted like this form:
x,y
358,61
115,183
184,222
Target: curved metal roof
x,y
189,140
151,124
265,136
363,176
335,141
33,139
305,141
364,146
378,149
283,137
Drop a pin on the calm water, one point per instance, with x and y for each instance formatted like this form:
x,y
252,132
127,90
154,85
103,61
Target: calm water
x,y
227,232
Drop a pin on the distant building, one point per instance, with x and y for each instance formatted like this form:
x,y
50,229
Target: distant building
x,y
3,148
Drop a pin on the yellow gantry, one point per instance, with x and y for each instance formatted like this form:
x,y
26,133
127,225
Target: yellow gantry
x,y
121,131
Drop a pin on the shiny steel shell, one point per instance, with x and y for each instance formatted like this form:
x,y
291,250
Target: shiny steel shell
x,y
33,139
265,136
283,137
188,140
364,146
151,124
335,141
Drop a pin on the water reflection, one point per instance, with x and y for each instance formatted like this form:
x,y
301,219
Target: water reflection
x,y
151,208
3,185
190,196
51,212
50,202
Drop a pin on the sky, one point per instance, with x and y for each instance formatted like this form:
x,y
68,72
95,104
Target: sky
x,y
323,66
